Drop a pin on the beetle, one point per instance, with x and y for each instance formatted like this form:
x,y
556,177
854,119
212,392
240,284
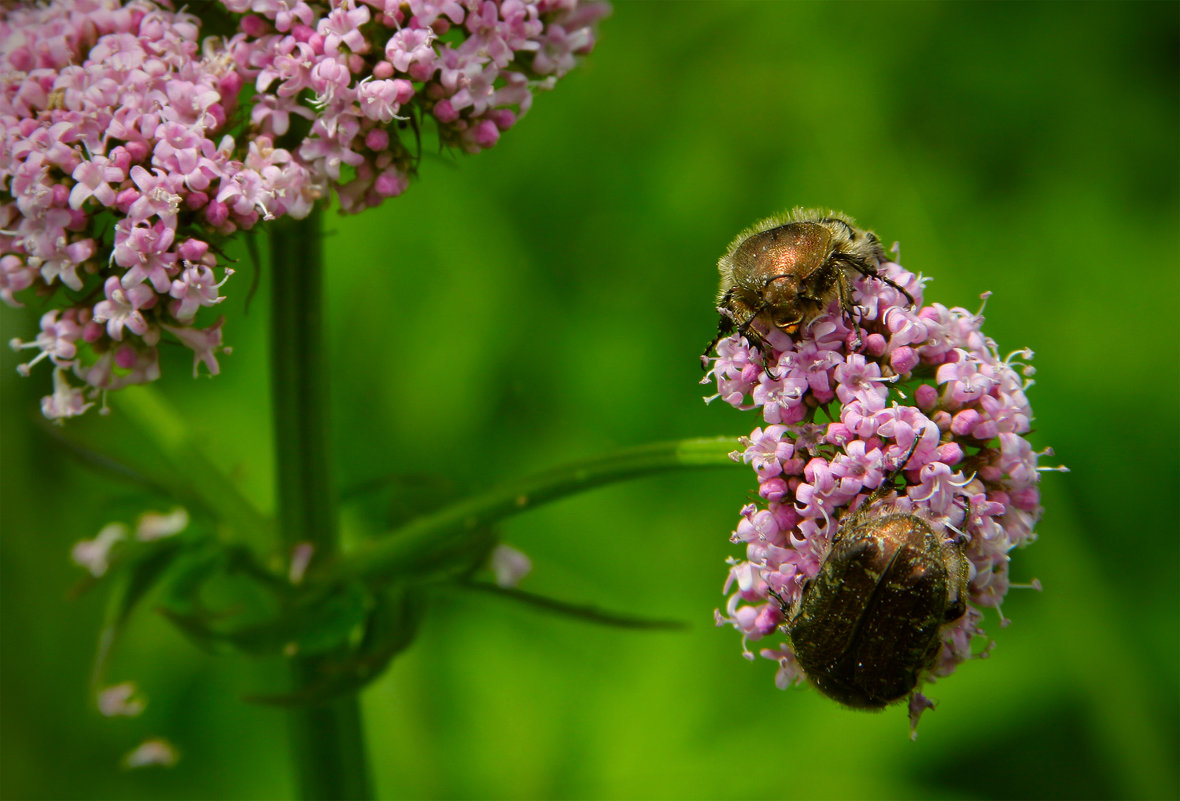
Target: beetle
x,y
867,625
784,271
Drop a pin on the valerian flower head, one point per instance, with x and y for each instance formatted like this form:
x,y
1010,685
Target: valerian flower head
x,y
920,388
131,147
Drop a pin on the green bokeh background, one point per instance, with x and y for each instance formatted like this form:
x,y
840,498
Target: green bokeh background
x,y
546,301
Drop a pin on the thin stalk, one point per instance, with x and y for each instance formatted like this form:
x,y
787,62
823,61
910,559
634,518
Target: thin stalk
x,y
432,540
327,740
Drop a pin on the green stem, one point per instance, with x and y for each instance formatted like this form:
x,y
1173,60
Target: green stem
x,y
427,544
328,740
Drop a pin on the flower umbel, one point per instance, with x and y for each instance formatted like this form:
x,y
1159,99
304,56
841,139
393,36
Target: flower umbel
x,y
131,148
850,398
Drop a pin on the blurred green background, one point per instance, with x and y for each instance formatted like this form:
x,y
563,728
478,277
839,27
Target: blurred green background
x,y
546,301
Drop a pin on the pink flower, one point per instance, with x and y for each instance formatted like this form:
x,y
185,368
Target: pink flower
x,y
145,251
154,751
556,53
125,116
55,253
94,179
14,277
968,380
472,81
331,81
95,554
66,400
123,308
190,103
246,194
57,341
427,11
410,51
767,450
159,195
181,151
380,100
341,28
495,38
927,387
813,362
196,287
781,399
204,343
858,379
858,468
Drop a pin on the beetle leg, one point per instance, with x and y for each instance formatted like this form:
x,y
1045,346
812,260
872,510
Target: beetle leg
x,y
755,337
866,269
725,327
887,484
909,298
844,293
782,605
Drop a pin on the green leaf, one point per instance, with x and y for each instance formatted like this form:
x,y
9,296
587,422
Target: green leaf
x,y
585,613
183,604
183,593
222,597
326,622
192,477
71,440
279,620
140,566
393,500
389,629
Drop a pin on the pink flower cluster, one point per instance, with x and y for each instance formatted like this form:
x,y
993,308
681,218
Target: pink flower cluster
x,y
925,378
130,148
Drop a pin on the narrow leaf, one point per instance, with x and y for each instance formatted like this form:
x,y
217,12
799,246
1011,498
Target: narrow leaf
x,y
588,614
143,565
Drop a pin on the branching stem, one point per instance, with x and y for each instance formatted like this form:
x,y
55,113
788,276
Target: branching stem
x,y
328,739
